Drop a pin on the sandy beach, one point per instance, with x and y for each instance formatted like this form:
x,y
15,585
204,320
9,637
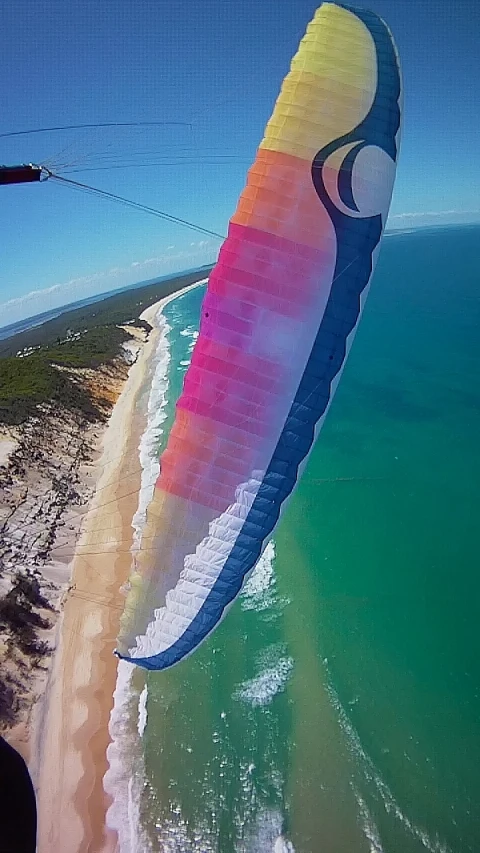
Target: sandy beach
x,y
69,744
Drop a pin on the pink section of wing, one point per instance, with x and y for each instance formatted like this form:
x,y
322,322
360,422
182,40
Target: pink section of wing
x,y
265,298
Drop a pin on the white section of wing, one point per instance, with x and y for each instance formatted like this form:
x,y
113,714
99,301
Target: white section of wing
x,y
200,573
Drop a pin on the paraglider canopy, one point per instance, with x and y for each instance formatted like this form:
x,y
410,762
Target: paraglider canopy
x,y
279,315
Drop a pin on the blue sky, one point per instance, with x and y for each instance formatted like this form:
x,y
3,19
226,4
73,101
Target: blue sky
x,y
218,66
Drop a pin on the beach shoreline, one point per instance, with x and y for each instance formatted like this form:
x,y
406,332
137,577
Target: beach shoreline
x,y
70,734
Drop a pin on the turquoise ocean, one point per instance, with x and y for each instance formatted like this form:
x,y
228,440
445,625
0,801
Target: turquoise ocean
x,y
337,707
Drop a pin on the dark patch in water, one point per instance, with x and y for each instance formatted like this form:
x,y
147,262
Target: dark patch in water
x,y
389,399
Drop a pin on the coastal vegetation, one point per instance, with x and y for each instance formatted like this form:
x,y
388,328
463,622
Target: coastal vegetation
x,y
25,384
20,621
28,380
17,614
37,366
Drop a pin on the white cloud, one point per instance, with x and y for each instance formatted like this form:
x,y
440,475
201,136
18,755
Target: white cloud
x,y
57,295
431,217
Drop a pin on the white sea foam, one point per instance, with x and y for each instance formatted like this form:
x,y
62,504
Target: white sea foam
x,y
176,835
192,333
271,680
257,591
156,415
142,711
123,780
368,824
283,845
266,835
371,776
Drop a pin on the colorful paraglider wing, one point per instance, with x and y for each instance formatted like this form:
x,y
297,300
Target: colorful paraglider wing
x,y
278,318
